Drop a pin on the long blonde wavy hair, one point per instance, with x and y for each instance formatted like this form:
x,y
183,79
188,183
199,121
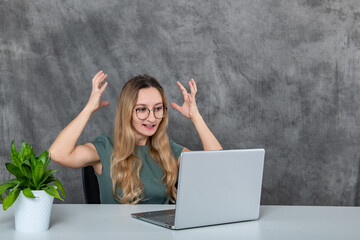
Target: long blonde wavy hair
x,y
125,165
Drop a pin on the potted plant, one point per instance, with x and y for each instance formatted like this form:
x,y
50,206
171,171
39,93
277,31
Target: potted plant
x,y
33,189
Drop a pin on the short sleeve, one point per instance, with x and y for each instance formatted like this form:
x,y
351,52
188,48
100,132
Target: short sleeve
x,y
101,144
176,149
104,147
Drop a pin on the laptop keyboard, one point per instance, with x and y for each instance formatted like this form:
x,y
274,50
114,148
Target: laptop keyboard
x,y
168,217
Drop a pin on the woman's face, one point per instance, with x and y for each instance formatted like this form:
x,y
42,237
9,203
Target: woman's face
x,y
147,98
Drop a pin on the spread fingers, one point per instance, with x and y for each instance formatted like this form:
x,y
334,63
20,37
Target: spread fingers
x,y
183,90
193,88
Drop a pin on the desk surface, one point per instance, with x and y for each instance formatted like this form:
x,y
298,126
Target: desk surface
x,y
78,221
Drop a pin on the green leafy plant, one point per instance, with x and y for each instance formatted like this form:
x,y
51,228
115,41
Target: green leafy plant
x,y
31,174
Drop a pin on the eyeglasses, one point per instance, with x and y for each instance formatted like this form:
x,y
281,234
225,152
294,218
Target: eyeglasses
x,y
143,112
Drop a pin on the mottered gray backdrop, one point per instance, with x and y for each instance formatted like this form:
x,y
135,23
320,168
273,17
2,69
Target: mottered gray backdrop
x,y
276,74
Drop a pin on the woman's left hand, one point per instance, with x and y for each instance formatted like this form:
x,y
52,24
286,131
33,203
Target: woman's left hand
x,y
189,108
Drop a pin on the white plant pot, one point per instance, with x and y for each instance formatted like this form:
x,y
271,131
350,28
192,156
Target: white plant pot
x,y
33,214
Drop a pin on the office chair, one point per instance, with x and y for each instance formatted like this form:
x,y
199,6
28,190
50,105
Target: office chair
x,y
90,186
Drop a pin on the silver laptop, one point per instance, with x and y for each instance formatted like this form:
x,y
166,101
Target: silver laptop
x,y
214,187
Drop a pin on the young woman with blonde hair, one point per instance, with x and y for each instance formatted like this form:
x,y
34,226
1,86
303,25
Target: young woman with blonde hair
x,y
139,164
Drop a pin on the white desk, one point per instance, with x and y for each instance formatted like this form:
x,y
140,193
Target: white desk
x,y
102,222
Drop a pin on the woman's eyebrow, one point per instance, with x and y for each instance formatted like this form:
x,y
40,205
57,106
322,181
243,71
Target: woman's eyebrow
x,y
143,104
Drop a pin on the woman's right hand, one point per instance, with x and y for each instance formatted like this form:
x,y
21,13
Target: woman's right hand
x,y
98,87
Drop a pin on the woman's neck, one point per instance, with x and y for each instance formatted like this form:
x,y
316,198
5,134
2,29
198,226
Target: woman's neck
x,y
141,141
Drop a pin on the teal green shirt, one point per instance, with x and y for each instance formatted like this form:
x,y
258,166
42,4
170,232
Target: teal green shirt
x,y
151,172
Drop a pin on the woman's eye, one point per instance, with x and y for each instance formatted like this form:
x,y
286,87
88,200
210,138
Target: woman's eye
x,y
158,109
141,109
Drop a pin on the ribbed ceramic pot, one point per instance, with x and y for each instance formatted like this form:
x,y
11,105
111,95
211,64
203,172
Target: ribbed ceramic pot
x,y
33,214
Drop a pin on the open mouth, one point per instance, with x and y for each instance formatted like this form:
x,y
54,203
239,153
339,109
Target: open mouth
x,y
149,126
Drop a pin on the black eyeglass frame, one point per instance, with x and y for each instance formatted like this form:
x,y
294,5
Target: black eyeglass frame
x,y
164,109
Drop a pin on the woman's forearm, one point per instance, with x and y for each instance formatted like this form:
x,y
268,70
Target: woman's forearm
x,y
207,138
65,142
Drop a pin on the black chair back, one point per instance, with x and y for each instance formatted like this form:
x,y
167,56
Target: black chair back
x,y
90,186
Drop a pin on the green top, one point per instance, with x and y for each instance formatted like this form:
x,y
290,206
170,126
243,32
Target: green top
x,y
151,172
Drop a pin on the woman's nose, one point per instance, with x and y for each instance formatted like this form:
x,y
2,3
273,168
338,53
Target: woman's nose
x,y
151,117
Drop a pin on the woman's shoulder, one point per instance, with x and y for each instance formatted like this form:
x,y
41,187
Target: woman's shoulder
x,y
102,138
103,143
176,148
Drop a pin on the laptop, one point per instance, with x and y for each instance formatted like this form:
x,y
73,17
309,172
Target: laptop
x,y
214,187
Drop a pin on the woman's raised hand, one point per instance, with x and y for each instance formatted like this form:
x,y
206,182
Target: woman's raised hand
x,y
189,108
98,87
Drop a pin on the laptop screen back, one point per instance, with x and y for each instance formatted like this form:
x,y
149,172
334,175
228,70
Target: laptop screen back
x,y
218,187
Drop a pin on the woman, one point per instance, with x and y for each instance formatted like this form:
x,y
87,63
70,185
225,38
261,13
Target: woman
x,y
139,164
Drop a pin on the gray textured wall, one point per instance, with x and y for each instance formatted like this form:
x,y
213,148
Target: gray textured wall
x,y
277,74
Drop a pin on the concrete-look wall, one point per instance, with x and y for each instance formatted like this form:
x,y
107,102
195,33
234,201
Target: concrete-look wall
x,y
275,74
